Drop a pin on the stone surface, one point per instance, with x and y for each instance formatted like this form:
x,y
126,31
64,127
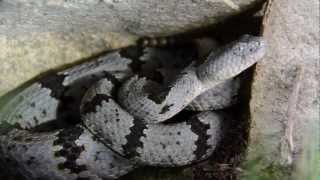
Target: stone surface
x,y
285,132
142,17
39,35
26,55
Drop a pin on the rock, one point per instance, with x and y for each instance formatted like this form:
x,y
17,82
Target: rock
x,y
39,35
25,56
142,17
284,137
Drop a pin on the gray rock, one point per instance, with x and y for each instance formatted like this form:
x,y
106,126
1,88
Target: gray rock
x,y
39,35
142,17
26,55
285,100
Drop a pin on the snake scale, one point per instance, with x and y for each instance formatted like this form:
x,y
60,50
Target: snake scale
x,y
100,120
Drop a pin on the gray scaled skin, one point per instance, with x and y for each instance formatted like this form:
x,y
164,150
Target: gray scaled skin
x,y
118,134
29,148
165,145
169,65
70,153
40,102
220,96
132,125
158,106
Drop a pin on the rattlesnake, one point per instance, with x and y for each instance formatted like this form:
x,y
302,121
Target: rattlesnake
x,y
124,117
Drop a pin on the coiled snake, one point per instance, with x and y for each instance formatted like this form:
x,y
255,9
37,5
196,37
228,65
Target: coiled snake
x,y
124,117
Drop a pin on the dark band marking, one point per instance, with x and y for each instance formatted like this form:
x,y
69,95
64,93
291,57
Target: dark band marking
x,y
166,108
31,160
68,109
159,98
90,106
6,127
54,82
111,78
133,53
70,150
133,139
200,129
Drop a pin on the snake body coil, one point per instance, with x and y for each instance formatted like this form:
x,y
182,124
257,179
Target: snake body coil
x,y
124,117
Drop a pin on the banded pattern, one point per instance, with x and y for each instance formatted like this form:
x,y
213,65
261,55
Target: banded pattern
x,y
169,144
53,102
65,154
124,117
191,82
132,125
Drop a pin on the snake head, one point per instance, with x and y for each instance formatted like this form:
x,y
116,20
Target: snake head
x,y
231,60
248,45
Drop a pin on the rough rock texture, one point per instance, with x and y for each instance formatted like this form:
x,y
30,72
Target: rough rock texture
x,y
285,95
38,35
26,55
143,17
